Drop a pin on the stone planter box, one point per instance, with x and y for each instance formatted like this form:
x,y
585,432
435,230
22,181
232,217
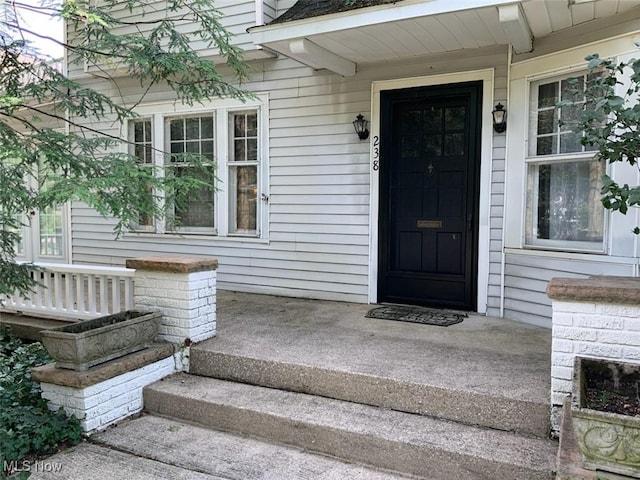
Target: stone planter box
x,y
82,345
607,441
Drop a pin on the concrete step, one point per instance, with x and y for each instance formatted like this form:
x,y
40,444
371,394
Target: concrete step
x,y
223,455
497,408
94,462
397,441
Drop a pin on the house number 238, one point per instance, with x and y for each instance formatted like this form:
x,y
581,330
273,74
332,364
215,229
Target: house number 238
x,y
376,152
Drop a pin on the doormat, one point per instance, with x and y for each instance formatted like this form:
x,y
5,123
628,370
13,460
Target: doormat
x,y
426,316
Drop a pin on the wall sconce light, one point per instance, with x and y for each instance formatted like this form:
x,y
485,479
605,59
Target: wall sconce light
x,y
499,118
360,125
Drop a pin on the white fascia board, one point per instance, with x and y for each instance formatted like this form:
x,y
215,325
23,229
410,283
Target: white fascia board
x,y
368,16
515,25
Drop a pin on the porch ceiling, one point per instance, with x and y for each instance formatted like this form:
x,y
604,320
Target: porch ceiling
x,y
411,28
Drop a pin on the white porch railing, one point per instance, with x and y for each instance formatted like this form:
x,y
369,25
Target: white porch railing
x,y
76,292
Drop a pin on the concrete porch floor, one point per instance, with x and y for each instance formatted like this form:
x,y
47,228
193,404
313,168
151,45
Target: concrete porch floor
x,y
482,355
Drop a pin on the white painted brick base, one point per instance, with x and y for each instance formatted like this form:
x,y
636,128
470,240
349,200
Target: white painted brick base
x,y
186,300
108,402
597,330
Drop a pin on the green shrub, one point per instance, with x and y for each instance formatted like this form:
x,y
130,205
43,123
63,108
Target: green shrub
x,y
27,426
610,121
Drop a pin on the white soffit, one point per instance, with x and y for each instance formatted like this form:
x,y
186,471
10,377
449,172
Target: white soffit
x,y
416,28
363,18
299,39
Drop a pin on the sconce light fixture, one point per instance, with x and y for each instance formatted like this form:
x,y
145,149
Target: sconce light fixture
x,y
360,125
499,118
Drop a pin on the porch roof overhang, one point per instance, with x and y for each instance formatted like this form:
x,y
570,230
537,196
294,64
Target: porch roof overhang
x,y
413,28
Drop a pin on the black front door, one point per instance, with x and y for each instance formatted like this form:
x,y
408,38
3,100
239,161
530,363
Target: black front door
x,y
429,195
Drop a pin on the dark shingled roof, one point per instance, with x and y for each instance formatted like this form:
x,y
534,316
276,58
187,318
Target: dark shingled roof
x,y
314,8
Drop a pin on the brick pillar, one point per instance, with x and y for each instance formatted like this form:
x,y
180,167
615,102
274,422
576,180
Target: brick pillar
x,y
595,317
183,289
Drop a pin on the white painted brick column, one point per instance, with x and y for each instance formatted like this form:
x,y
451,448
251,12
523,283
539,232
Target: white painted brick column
x,y
598,317
183,289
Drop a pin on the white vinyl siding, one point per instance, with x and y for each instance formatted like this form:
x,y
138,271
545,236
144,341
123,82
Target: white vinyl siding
x,y
283,5
527,276
318,188
269,10
236,17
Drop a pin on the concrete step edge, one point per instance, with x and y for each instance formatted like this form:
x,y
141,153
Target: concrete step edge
x,y
226,455
397,441
465,407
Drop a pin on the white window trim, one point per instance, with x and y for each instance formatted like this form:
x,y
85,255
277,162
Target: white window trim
x,y
236,164
529,160
138,228
31,230
166,128
617,239
532,98
159,112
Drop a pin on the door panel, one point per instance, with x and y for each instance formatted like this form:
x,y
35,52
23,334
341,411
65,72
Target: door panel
x,y
429,195
44,233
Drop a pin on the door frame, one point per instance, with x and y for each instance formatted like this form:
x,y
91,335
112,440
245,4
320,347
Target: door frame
x,y
31,236
486,76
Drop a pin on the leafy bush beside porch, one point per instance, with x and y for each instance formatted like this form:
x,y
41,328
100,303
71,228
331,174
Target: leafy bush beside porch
x,y
27,427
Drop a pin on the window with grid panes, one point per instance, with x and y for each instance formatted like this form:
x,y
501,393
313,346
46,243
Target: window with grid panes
x,y
192,135
142,146
243,172
232,207
563,178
